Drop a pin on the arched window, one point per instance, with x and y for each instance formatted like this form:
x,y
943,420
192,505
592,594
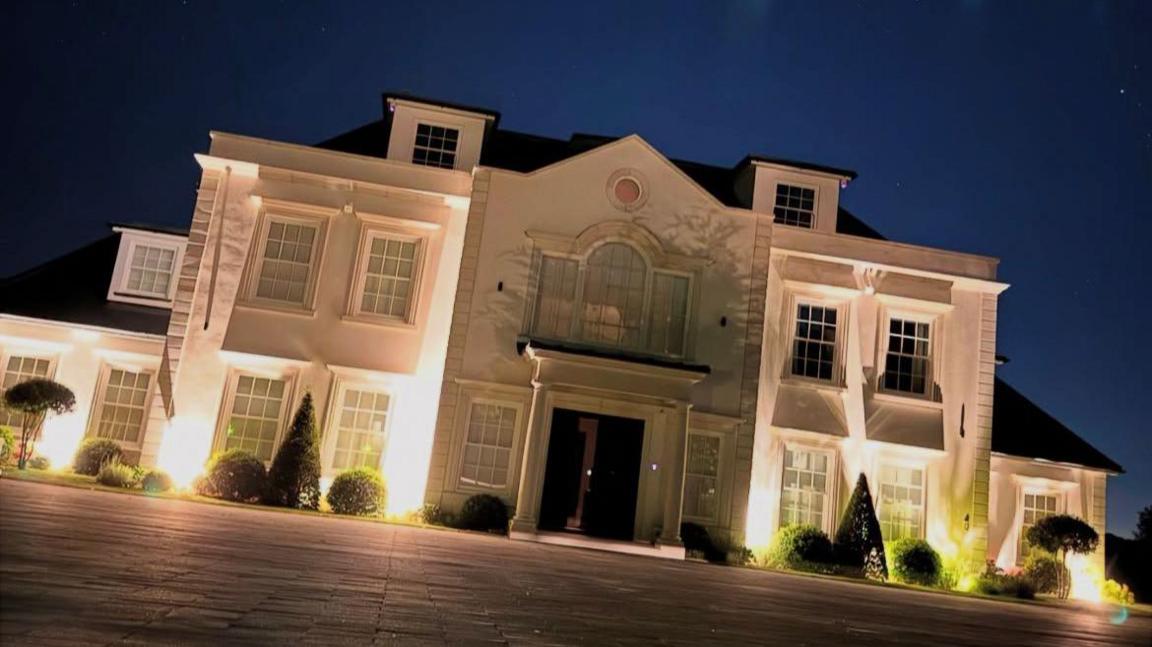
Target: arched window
x,y
612,297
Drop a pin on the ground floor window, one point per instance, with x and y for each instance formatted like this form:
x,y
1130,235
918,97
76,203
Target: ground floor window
x,y
361,429
487,455
901,502
122,409
255,415
701,477
19,369
805,486
1036,507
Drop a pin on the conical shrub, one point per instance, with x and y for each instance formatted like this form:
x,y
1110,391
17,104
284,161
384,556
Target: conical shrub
x,y
858,543
294,480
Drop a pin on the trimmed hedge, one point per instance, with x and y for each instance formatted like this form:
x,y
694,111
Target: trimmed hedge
x,y
800,547
235,475
156,480
914,561
357,491
93,453
116,474
484,512
1007,585
1045,571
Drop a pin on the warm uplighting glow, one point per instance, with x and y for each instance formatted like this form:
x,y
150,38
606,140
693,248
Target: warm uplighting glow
x,y
1087,579
59,438
184,449
410,445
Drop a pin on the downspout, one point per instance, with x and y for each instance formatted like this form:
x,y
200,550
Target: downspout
x,y
218,248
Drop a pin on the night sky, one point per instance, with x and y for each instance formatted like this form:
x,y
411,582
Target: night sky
x,y
1016,129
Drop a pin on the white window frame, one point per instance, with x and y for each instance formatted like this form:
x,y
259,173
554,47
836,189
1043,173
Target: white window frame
x,y
369,231
435,124
798,185
256,260
878,502
841,307
7,354
1033,490
130,239
931,380
495,394
512,453
830,504
721,470
219,440
92,428
576,333
335,409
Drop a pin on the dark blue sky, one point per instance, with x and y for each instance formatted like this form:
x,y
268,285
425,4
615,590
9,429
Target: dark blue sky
x,y
1017,129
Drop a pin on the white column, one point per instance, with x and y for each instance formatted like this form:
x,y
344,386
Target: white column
x,y
674,475
532,467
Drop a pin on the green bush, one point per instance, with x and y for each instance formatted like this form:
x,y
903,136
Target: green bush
x,y
93,453
1117,593
858,543
697,542
156,480
235,475
1045,572
116,474
294,479
484,512
39,463
7,445
800,547
1007,585
358,491
914,561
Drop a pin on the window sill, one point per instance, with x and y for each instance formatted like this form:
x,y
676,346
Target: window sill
x,y
285,309
373,320
913,399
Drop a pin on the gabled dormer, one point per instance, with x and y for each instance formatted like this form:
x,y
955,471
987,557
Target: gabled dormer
x,y
436,134
147,265
798,194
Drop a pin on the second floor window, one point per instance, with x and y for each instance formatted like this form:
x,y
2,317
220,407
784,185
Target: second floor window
x,y
814,342
435,146
286,261
907,365
389,276
150,270
613,297
795,205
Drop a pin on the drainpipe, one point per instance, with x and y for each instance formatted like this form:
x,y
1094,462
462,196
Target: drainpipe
x,y
219,245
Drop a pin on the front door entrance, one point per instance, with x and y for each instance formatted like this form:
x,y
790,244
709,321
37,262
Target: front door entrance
x,y
592,475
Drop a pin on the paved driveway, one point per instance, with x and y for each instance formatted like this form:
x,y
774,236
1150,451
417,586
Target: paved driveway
x,y
84,567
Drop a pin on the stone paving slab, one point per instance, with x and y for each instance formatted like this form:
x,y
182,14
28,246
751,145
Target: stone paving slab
x,y
81,567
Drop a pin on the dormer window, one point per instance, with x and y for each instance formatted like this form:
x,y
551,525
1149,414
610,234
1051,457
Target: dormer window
x,y
147,266
435,146
150,270
795,205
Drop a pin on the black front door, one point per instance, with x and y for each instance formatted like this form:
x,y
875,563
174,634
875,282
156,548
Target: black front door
x,y
592,475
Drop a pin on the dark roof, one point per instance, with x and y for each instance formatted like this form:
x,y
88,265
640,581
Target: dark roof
x,y
831,170
619,355
74,289
1021,428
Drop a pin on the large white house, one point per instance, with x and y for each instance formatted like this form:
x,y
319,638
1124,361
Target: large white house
x,y
611,341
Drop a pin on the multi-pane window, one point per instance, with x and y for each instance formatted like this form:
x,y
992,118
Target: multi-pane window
x,y
805,487
124,407
17,370
389,277
286,265
614,288
814,342
794,205
901,502
701,477
435,146
909,352
669,313
555,297
1036,507
488,446
150,270
254,419
360,429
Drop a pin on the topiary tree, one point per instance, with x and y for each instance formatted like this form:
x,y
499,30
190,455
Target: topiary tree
x,y
800,547
235,475
914,561
858,542
358,491
294,479
1062,534
35,399
94,453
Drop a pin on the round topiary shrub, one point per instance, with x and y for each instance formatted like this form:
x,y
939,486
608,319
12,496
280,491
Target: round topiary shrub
x,y
484,512
156,481
1045,572
914,561
357,491
799,547
235,475
116,474
93,454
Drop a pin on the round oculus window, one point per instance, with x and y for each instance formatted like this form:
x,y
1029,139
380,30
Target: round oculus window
x,y
627,190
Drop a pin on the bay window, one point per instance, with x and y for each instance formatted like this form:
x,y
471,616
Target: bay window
x,y
901,502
